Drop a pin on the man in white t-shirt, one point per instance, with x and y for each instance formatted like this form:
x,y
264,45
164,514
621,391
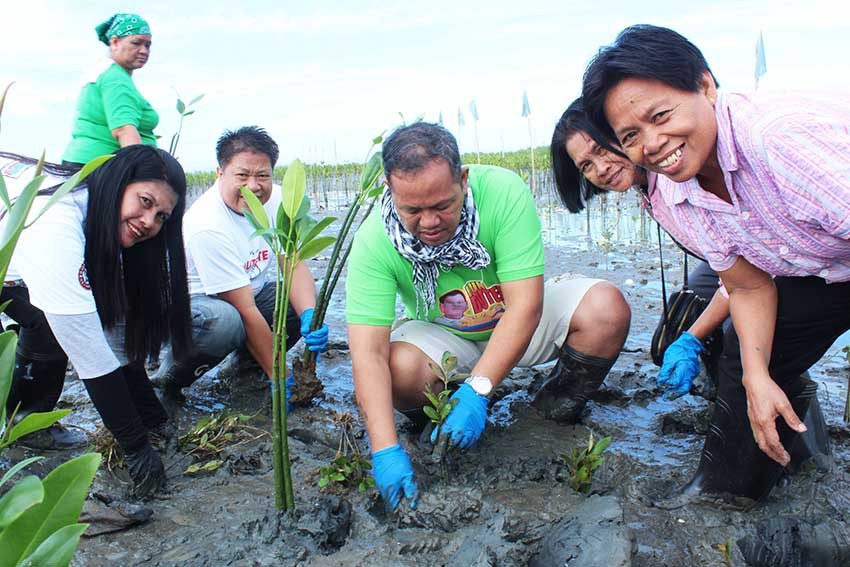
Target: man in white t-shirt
x,y
232,273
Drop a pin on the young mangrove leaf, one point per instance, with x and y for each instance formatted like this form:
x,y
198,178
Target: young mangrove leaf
x,y
8,345
294,188
65,489
196,99
256,208
17,468
32,422
312,248
316,229
24,495
373,169
4,194
58,549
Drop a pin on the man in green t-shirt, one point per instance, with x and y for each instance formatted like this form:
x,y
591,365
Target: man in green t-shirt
x,y
462,248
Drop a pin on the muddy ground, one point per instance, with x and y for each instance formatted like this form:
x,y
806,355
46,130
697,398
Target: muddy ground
x,y
507,502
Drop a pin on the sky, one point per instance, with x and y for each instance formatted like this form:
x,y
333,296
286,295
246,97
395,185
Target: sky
x,y
325,77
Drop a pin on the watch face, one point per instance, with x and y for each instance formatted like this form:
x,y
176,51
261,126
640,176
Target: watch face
x,y
481,384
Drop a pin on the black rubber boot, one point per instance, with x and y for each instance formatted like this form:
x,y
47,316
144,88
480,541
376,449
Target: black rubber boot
x,y
37,386
174,375
572,381
112,399
731,461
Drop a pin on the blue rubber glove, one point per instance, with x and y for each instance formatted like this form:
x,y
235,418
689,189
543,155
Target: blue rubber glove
x,y
394,476
465,423
290,383
316,340
681,366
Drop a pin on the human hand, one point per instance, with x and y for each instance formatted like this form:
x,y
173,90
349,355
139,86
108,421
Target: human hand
x,y
146,471
765,403
465,423
394,476
317,340
681,366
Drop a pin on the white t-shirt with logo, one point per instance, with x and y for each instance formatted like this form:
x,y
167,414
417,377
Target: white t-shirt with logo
x,y
221,254
49,260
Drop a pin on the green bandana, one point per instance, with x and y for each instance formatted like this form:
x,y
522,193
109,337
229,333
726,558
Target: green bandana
x,y
121,25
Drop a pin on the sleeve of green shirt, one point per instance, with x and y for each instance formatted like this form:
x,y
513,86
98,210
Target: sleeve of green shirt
x,y
121,101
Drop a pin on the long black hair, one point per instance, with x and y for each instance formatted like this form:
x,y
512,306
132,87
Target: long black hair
x,y
573,187
144,285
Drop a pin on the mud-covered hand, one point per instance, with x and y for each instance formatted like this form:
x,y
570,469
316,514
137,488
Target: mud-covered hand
x,y
316,340
146,471
681,366
394,476
465,423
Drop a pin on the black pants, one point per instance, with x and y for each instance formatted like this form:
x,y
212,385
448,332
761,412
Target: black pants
x,y
35,339
811,315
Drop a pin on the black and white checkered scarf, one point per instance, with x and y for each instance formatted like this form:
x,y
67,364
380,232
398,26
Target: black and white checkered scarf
x,y
462,249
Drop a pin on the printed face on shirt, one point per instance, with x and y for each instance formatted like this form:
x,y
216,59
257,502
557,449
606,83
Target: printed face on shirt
x,y
131,51
663,129
603,168
145,208
453,305
429,201
245,169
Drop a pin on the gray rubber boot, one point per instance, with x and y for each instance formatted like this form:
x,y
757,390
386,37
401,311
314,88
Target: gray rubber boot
x,y
572,381
174,375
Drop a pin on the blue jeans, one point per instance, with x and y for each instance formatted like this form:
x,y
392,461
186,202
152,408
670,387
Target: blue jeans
x,y
217,330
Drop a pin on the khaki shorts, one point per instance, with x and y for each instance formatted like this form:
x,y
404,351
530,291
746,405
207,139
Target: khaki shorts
x,y
561,296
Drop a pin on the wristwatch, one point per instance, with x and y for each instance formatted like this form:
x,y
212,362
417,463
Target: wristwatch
x,y
481,384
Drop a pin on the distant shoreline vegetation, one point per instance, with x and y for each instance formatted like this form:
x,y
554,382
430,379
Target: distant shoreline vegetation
x,y
518,161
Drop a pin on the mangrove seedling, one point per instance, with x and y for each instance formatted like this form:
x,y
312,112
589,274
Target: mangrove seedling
x,y
441,403
371,187
349,467
583,462
294,238
846,351
183,111
212,435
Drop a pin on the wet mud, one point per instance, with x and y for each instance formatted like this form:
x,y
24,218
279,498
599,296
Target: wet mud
x,y
507,501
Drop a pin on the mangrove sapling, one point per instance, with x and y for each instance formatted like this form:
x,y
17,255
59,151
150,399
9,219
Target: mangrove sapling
x,y
308,386
183,111
38,517
349,467
583,462
441,403
294,238
212,435
846,351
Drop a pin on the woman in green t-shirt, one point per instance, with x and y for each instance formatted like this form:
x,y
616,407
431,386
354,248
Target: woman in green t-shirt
x,y
111,113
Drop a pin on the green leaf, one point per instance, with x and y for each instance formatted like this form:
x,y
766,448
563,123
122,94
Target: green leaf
x,y
445,411
256,208
449,362
181,107
600,446
4,194
3,96
192,469
58,549
196,99
213,465
191,112
431,414
15,469
371,171
34,422
8,345
312,248
435,401
294,188
15,221
70,183
65,488
316,229
24,495
323,482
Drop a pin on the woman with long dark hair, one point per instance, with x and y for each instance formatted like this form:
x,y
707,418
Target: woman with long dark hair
x,y
100,278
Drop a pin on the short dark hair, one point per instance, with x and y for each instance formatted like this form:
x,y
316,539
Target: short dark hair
x,y
642,51
410,148
245,139
144,285
573,188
